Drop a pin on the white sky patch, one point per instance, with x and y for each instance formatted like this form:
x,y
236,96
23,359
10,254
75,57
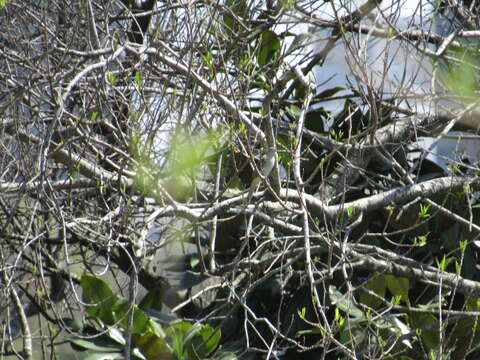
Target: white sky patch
x,y
392,67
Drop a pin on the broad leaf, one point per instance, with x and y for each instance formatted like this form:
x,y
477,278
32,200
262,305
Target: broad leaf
x,y
269,48
344,303
377,285
153,346
398,286
152,300
96,344
100,299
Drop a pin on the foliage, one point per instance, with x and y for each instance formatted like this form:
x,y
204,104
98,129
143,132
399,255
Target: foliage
x,y
181,340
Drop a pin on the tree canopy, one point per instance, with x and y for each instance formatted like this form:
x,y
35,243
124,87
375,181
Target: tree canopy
x,y
138,221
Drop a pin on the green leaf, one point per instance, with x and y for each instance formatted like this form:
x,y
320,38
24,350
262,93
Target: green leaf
x,y
240,9
95,344
138,78
3,3
202,340
460,79
141,322
398,286
153,299
116,335
473,304
378,285
301,313
288,4
153,346
99,298
176,335
74,325
193,341
109,308
312,331
350,210
209,61
330,92
344,303
294,110
424,211
420,241
111,78
269,48
445,262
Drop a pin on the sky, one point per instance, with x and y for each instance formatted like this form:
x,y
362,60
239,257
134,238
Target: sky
x,y
408,72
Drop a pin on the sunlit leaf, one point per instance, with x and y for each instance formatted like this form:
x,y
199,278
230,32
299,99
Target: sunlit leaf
x,y
195,340
153,346
344,303
141,322
138,78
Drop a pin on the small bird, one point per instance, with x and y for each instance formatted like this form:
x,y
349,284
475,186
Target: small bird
x,y
268,162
